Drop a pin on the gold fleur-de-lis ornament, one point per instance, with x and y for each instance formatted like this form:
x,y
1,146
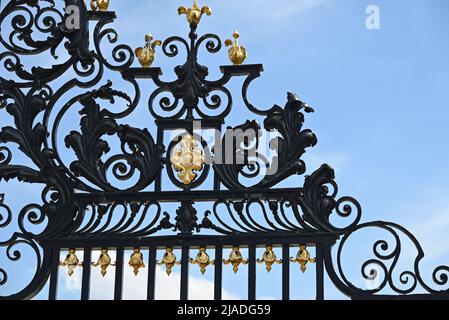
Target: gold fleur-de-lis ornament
x,y
104,261
101,5
147,54
187,158
136,261
169,260
269,258
202,260
194,13
71,261
303,257
237,53
235,259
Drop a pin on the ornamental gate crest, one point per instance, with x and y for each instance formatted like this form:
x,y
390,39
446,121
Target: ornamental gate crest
x,y
112,194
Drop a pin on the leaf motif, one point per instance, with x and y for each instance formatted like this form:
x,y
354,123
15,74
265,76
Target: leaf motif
x,y
24,109
88,145
146,155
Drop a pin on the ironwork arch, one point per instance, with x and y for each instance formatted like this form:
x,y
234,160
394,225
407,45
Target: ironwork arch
x,y
82,208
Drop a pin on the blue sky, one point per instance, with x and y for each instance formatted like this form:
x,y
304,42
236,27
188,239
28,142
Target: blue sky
x,y
381,98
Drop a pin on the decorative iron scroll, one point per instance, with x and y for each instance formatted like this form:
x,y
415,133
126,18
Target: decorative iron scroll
x,y
85,201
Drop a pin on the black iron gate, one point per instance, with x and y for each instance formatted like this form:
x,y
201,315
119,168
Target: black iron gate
x,y
82,209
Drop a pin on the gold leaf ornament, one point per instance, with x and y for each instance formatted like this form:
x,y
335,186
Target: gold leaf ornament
x,y
269,258
187,158
169,260
101,5
203,260
303,258
235,259
104,261
147,54
136,261
194,13
237,53
71,261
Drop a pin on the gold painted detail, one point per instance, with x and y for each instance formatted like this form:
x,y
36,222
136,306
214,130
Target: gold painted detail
x,y
104,261
235,259
169,260
269,258
147,54
71,261
237,53
194,13
202,260
303,258
101,5
136,261
186,158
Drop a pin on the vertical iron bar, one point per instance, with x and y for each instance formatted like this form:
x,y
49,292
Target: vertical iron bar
x,y
218,272
85,284
319,272
151,273
52,293
285,272
160,140
118,289
252,273
185,273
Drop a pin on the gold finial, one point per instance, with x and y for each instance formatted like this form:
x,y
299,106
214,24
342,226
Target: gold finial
x,y
303,258
237,53
269,258
147,54
101,5
202,260
235,258
136,261
186,158
194,13
169,260
71,261
104,261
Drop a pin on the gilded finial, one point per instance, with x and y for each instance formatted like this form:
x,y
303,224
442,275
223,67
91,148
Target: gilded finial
x,y
235,259
169,260
237,53
71,261
104,261
202,260
101,5
269,258
186,158
303,258
147,54
136,261
194,13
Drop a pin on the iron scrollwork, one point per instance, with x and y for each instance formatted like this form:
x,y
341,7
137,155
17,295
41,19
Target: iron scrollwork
x,y
82,202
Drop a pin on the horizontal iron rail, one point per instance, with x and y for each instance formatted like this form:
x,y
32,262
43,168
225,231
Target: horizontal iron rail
x,y
198,196
195,241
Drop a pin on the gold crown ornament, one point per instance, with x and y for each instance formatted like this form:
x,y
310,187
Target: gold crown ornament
x,y
147,54
237,53
194,13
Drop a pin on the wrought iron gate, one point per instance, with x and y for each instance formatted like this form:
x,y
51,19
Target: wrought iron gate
x,y
82,209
